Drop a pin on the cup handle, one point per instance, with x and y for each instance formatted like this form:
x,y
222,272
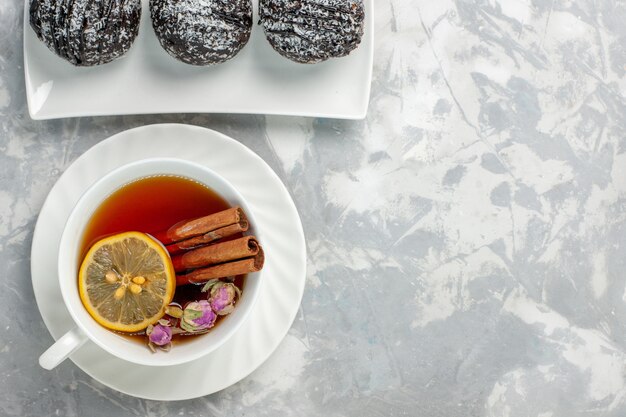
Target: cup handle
x,y
62,348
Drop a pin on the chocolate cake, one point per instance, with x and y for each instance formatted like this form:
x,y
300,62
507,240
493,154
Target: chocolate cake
x,y
310,31
202,32
86,32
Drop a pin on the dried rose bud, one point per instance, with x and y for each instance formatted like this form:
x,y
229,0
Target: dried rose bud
x,y
222,297
160,334
198,316
174,310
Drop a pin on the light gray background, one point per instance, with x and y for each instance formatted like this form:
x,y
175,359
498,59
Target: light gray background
x,y
466,241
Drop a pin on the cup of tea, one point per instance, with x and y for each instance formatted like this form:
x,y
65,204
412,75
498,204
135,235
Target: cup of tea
x,y
182,213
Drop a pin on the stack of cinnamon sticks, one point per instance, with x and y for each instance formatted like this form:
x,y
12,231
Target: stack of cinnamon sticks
x,y
199,252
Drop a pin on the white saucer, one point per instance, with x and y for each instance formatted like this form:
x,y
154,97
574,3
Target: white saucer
x,y
285,267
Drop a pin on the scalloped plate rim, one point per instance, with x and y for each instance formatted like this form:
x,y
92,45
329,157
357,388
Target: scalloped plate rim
x,y
115,140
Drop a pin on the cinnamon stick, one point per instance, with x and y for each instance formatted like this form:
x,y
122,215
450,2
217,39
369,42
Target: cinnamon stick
x,y
202,240
218,253
192,228
228,269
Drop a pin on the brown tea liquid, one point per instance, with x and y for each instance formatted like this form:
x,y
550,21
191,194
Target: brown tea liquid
x,y
154,204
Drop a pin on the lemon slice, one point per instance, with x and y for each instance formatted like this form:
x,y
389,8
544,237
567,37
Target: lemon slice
x,y
126,281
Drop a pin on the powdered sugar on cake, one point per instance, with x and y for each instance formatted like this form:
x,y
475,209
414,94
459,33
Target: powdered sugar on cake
x,y
202,32
310,31
86,32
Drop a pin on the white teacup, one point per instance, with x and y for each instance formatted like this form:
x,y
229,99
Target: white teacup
x,y
69,252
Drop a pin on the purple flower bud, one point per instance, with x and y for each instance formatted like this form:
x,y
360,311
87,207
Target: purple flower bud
x,y
198,316
160,335
222,297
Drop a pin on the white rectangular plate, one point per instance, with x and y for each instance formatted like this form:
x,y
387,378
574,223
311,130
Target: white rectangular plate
x,y
147,80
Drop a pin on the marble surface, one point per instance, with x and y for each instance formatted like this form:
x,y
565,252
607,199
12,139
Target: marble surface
x,y
466,241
